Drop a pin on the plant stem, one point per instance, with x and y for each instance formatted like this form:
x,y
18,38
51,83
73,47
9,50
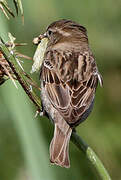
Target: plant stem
x,y
77,140
91,156
11,59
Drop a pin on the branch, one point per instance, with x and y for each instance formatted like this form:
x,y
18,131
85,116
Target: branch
x,y
90,154
19,73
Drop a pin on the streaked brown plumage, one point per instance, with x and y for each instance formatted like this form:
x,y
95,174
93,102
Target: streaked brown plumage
x,y
69,77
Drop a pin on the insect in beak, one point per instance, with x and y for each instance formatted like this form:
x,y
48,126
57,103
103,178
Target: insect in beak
x,y
38,58
38,39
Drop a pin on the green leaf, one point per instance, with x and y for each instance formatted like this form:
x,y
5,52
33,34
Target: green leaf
x,y
4,6
6,9
18,4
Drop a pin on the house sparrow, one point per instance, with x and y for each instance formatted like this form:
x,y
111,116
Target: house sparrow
x,y
69,77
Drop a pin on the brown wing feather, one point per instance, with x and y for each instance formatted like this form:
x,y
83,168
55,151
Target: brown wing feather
x,y
70,83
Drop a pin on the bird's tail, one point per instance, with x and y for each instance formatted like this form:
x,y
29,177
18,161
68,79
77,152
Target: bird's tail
x,y
59,146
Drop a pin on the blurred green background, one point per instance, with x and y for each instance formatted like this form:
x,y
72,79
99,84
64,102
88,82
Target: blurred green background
x,y
24,140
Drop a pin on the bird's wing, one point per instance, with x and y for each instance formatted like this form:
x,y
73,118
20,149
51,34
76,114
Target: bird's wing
x,y
70,81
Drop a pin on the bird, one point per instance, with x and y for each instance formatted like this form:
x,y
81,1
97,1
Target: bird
x,y
69,77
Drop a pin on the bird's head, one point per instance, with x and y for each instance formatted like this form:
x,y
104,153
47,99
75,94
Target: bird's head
x,y
65,31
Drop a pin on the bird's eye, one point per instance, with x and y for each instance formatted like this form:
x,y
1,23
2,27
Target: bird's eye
x,y
49,32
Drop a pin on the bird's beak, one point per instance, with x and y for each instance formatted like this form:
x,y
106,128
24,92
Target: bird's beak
x,y
38,39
